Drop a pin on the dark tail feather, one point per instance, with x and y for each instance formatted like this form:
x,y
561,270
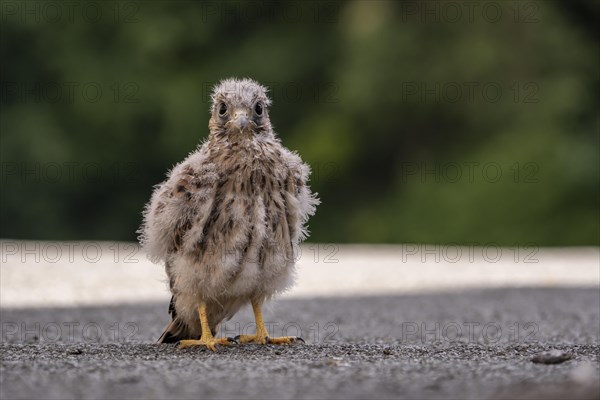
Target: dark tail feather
x,y
174,332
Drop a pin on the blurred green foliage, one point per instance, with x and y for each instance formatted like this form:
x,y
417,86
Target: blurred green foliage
x,y
421,124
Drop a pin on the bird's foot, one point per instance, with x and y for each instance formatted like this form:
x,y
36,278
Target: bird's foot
x,y
258,339
208,343
265,339
285,340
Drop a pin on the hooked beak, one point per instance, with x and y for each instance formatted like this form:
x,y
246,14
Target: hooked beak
x,y
240,119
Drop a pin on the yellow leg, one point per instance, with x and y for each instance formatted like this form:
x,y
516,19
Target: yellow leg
x,y
207,338
262,336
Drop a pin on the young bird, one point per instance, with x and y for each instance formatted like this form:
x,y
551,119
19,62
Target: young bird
x,y
228,219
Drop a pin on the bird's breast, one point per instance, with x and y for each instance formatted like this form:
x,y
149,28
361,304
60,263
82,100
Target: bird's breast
x,y
249,207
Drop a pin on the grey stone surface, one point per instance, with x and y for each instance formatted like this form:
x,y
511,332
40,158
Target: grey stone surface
x,y
476,344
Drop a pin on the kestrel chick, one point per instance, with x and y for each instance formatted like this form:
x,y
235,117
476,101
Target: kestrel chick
x,y
227,220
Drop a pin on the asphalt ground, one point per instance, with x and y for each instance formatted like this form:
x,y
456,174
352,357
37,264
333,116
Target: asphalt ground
x,y
475,344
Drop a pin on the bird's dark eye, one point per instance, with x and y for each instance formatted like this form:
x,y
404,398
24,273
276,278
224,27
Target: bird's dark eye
x,y
258,108
222,109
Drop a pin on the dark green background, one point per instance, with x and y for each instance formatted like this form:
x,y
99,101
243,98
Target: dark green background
x,y
365,91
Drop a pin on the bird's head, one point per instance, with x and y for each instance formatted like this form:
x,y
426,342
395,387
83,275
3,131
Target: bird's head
x,y
239,109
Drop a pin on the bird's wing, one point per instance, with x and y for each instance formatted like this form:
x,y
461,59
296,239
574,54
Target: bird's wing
x,y
300,201
178,206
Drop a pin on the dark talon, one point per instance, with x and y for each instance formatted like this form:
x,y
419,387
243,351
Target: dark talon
x,y
298,338
233,340
267,340
236,338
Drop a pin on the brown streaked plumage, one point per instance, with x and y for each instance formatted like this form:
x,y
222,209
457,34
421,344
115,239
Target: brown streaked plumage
x,y
228,218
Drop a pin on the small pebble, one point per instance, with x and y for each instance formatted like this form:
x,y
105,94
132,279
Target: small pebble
x,y
551,357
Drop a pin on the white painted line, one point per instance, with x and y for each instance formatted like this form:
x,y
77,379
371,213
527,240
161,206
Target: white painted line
x,y
38,274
